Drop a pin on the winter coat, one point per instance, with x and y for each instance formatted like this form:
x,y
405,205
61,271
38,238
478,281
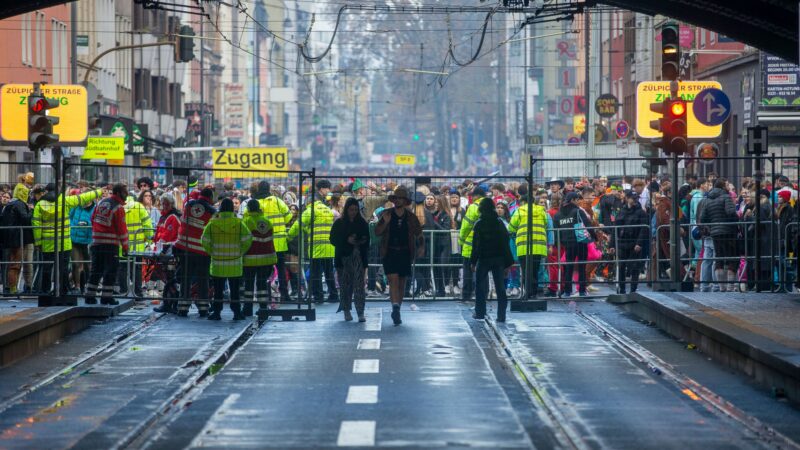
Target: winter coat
x,y
490,240
635,228
767,230
415,237
719,214
80,222
341,230
565,220
16,214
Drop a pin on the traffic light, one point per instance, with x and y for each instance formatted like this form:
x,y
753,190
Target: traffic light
x,y
670,51
671,125
416,136
653,161
184,46
40,125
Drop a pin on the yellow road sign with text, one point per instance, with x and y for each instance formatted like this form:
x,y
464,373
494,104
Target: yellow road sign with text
x,y
72,111
405,160
648,92
258,162
108,148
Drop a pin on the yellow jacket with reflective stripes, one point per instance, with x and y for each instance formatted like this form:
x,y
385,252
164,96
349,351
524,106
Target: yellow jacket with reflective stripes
x,y
321,233
538,233
140,225
44,219
279,215
262,252
465,234
226,239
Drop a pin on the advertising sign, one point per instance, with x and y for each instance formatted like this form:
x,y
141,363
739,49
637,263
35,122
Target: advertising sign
x,y
779,83
235,103
249,162
648,92
72,111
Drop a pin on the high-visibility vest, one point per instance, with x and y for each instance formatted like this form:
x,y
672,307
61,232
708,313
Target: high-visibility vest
x,y
140,225
276,211
320,233
196,215
44,219
262,252
108,223
226,239
467,229
537,234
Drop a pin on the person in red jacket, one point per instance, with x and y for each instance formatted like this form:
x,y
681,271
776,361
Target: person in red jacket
x,y
194,260
109,233
167,234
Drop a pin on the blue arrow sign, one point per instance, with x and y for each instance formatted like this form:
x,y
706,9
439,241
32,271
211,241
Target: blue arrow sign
x,y
711,107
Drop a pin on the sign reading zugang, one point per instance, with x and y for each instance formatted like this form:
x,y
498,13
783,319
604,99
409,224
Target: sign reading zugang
x,y
250,162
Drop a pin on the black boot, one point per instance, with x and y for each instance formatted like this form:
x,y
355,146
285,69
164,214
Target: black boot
x,y
396,315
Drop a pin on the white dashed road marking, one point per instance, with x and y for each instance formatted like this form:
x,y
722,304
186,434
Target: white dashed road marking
x,y
362,394
366,366
374,320
357,433
369,344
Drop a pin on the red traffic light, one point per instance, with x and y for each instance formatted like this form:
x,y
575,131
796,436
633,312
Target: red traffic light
x,y
453,126
39,105
678,108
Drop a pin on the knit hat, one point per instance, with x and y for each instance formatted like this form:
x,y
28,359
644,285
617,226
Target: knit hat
x,y
21,192
358,184
571,196
785,194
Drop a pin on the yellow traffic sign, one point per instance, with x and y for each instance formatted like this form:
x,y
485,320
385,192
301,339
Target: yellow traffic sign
x,y
72,111
405,160
108,148
250,162
648,92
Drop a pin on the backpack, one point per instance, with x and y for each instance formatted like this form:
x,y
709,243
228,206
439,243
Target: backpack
x,y
7,225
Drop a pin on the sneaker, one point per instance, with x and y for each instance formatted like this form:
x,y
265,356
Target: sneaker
x,y
592,289
577,294
372,293
513,292
448,290
215,316
428,293
348,316
456,290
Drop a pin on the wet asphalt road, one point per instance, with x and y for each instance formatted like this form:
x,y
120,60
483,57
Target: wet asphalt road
x,y
438,381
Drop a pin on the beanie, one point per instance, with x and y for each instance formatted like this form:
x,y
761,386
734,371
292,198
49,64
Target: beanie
x,y
785,194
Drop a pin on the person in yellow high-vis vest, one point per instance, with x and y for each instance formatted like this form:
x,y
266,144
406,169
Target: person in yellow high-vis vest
x,y
278,214
140,232
259,259
44,223
465,241
227,240
322,252
531,242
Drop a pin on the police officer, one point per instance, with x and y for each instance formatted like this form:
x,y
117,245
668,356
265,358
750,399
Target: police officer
x,y
44,223
278,214
539,236
226,239
630,239
465,240
109,239
193,256
259,259
322,251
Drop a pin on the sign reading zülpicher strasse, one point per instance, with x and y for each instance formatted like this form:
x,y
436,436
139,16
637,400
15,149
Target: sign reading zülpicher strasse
x,y
104,147
73,112
648,92
250,162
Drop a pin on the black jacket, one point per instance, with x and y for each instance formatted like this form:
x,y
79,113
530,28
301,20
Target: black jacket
x,y
565,220
343,229
635,228
490,240
609,205
16,214
767,232
719,214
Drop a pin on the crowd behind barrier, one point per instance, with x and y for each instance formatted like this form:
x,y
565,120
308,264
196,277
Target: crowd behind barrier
x,y
567,236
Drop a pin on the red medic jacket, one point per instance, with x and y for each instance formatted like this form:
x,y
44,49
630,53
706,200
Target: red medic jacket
x,y
168,227
108,223
196,215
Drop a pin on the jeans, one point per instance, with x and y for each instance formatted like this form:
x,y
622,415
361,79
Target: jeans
x,y
483,268
320,266
707,268
105,260
579,253
469,281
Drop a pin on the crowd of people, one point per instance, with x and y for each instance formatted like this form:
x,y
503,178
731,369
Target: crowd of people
x,y
367,237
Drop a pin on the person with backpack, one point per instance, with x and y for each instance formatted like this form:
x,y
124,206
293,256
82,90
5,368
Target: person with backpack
x,y
80,223
719,215
572,222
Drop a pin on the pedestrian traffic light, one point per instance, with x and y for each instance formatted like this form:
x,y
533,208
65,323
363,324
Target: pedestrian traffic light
x,y
40,125
670,51
416,136
184,46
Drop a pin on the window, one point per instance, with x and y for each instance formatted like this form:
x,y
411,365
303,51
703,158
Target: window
x,y
59,52
39,47
712,38
26,39
124,56
703,37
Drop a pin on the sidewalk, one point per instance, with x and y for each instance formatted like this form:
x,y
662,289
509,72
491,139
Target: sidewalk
x,y
755,333
25,327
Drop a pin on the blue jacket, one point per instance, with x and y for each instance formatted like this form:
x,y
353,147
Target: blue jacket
x,y
80,222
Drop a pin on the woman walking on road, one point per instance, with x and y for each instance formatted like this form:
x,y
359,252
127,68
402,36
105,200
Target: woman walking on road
x,y
401,237
491,253
350,238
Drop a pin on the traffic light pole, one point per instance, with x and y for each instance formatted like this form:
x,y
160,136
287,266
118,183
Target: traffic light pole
x,y
116,49
674,231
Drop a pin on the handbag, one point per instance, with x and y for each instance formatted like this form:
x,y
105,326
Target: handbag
x,y
582,235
